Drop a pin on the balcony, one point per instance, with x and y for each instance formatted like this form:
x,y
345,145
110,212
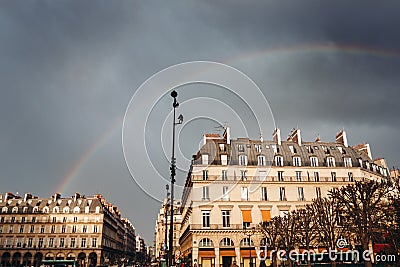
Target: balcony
x,y
216,227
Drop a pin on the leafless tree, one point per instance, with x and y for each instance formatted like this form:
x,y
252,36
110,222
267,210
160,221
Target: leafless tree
x,y
271,230
307,229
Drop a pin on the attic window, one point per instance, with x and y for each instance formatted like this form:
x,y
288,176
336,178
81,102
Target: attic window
x,y
316,148
222,147
291,148
240,148
258,148
204,159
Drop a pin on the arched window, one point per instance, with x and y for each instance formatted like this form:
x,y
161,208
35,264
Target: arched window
x,y
46,210
265,242
206,242
35,209
56,210
278,161
246,242
66,210
15,210
226,242
4,210
77,209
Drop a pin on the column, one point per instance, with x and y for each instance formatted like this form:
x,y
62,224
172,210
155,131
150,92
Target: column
x,y
237,251
216,257
195,256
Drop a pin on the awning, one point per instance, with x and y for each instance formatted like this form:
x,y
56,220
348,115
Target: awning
x,y
246,214
227,252
266,215
246,253
206,253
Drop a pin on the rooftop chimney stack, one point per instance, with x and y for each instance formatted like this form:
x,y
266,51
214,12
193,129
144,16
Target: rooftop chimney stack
x,y
227,135
276,136
341,138
207,137
57,196
76,196
364,148
295,136
27,197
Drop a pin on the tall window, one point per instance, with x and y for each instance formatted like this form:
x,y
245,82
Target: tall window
x,y
53,229
242,160
261,160
206,195
84,229
264,193
226,242
298,176
347,162
226,218
240,148
280,176
225,194
263,176
83,242
282,194
330,161
62,242
318,192
30,242
94,242
224,159
204,159
350,175
243,175
32,229
40,243
206,242
300,192
245,193
63,229
11,229
42,229
72,243
316,176
291,148
258,148
205,175
94,228
279,161
296,161
75,219
206,218
224,175
51,242
333,176
314,161
74,229
21,229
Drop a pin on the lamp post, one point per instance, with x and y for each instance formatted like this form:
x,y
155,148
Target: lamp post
x,y
175,104
249,233
166,226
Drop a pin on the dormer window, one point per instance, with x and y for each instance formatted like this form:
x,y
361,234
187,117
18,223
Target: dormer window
x,y
279,161
340,149
224,159
240,147
242,160
258,148
222,147
274,148
309,149
330,161
314,161
347,162
204,159
261,160
296,161
15,210
291,148
243,176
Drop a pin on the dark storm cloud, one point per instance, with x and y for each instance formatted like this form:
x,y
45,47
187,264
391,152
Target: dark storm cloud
x,y
69,68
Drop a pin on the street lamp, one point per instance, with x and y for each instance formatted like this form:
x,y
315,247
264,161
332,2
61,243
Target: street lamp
x,y
166,225
175,104
249,233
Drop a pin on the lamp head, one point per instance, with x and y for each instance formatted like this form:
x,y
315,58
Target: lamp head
x,y
174,94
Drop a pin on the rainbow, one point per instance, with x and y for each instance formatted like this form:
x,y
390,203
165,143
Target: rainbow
x,y
315,48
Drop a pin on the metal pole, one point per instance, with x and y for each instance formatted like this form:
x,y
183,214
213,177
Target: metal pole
x,y
166,227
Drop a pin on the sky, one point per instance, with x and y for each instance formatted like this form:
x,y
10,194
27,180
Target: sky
x,y
73,73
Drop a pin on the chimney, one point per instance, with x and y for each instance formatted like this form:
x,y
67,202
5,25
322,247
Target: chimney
x,y
318,139
27,197
381,162
8,196
295,136
57,196
227,135
341,138
207,137
276,136
364,148
76,196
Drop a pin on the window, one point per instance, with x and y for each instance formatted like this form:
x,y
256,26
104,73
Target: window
x,y
205,175
243,175
72,243
21,229
84,229
350,175
225,194
258,148
274,148
333,176
94,242
347,162
242,160
296,161
279,161
282,194
206,193
280,176
314,161
30,241
12,219
62,242
4,210
316,177
54,219
46,210
66,210
291,148
11,229
246,242
247,219
264,193
74,229
224,175
83,242
309,149
263,176
226,218
63,229
23,219
2,219
77,209
224,159
51,242
300,192
15,210
53,229
318,192
1,229
206,218
94,228
42,229
222,147
75,219
204,159
226,242
240,148
298,176
64,219
33,219
330,161
40,243
245,193
261,160
206,242
32,229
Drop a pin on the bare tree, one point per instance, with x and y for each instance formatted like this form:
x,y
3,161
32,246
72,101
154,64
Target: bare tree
x,y
288,232
271,231
365,207
308,229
